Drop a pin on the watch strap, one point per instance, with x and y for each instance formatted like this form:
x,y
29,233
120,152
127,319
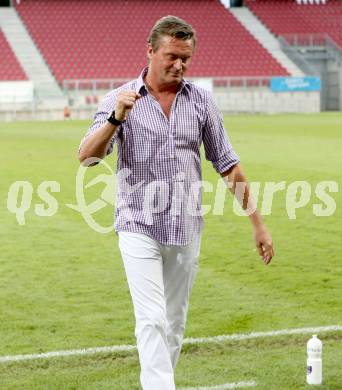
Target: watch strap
x,y
111,119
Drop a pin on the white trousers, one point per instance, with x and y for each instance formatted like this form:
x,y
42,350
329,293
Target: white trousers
x,y
160,279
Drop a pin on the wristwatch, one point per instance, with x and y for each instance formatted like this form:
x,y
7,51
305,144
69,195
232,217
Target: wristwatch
x,y
111,119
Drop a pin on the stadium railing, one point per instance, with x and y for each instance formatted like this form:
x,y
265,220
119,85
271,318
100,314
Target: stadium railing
x,y
314,41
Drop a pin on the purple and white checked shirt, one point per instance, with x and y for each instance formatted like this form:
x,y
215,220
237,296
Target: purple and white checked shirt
x,y
159,164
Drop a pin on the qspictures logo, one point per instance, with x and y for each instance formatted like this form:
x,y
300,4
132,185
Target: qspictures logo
x,y
157,196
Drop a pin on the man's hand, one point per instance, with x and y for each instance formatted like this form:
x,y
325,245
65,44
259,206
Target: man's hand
x,y
124,103
263,239
264,244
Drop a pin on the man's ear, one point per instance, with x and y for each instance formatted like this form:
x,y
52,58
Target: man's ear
x,y
149,51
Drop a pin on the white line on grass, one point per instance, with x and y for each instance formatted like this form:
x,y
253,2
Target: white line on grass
x,y
254,335
225,386
214,339
72,352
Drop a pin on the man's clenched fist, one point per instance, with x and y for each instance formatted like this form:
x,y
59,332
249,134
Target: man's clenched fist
x,y
124,103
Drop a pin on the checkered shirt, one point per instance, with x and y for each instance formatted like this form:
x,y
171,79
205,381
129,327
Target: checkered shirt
x,y
158,178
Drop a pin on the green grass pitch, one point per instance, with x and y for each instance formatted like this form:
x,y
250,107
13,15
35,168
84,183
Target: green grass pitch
x,y
62,285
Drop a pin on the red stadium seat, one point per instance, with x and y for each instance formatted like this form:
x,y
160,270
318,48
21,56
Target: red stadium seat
x,y
76,43
287,17
10,68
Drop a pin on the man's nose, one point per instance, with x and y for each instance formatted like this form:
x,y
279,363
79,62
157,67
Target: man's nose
x,y
178,64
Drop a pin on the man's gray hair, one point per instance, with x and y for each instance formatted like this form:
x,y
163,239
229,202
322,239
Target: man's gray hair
x,y
171,26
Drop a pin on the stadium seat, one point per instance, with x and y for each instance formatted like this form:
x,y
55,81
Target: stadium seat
x,y
301,17
10,68
76,43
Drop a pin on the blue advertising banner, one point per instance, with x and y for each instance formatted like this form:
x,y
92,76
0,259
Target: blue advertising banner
x,y
292,84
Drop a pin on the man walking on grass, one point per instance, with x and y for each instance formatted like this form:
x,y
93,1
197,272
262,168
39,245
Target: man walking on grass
x,y
159,122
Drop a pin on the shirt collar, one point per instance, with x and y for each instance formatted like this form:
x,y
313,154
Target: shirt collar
x,y
140,82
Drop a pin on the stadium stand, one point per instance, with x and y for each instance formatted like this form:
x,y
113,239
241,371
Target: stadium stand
x,y
285,17
10,68
107,39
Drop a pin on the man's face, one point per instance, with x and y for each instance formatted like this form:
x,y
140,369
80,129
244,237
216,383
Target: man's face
x,y
171,60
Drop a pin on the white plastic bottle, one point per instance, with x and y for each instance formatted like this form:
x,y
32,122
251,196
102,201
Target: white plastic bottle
x,y
314,361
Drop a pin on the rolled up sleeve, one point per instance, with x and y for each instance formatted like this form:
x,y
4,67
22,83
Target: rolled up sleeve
x,y
217,146
105,108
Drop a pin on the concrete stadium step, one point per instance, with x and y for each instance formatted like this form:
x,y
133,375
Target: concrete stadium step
x,y
28,54
265,38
